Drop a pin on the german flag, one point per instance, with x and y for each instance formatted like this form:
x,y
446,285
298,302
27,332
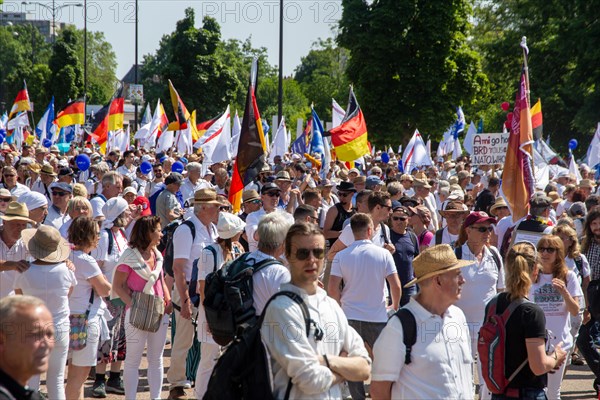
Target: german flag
x,y
21,102
181,113
71,114
115,112
252,149
350,138
100,127
537,120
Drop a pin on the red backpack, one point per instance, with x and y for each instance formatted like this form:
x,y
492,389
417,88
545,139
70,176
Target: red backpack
x,y
491,347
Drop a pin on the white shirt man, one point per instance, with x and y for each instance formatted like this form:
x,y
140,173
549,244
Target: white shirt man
x,y
441,361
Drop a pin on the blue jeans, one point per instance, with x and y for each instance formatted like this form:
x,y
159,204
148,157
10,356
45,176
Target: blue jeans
x,y
589,337
524,394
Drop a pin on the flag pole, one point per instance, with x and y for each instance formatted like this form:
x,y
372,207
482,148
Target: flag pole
x,y
526,68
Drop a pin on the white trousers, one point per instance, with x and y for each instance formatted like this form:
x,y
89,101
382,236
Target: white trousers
x,y
55,376
137,340
209,354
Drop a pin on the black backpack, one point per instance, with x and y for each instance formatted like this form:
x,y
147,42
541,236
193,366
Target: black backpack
x,y
166,242
409,331
194,296
228,301
243,371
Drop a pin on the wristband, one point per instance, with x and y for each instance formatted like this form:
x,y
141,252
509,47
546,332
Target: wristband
x,y
186,300
326,361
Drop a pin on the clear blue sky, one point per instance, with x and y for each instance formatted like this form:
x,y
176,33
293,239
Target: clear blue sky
x,y
305,22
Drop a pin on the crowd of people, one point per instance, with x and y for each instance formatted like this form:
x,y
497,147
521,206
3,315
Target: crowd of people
x,y
79,250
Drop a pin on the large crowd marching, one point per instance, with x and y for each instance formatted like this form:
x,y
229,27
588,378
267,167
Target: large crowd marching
x,y
96,267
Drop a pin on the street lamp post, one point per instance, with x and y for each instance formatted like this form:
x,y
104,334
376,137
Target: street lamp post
x,y
53,10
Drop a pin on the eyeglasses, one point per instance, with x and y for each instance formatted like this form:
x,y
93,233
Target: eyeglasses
x,y
273,194
313,219
59,194
225,208
399,218
482,229
385,206
303,254
549,250
344,194
5,200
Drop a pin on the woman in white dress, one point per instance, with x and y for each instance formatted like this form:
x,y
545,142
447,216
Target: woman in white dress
x,y
49,279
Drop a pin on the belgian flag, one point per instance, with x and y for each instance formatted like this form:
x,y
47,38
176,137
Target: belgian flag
x,y
252,148
71,114
181,113
21,102
537,120
350,138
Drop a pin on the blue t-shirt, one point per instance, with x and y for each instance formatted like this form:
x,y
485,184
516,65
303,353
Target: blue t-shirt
x,y
407,249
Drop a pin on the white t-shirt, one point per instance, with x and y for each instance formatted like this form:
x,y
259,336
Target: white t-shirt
x,y
378,238
364,267
267,281
553,304
501,227
100,253
252,221
482,282
86,268
55,219
7,278
184,247
50,283
448,238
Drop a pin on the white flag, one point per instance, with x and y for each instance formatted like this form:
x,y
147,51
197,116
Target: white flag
x,y
280,144
337,114
183,140
593,153
19,121
235,135
154,127
573,169
415,154
468,141
165,141
216,139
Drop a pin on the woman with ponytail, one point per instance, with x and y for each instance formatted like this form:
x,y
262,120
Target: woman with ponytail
x,y
525,329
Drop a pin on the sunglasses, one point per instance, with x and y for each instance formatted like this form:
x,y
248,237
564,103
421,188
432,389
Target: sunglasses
x,y
303,254
399,218
228,209
9,175
385,206
344,194
59,194
5,200
273,194
549,250
253,202
482,229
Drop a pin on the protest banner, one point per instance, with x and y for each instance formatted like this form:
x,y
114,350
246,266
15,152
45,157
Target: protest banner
x,y
489,148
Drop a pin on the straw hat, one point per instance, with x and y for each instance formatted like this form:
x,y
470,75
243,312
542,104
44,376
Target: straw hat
x,y
454,207
48,170
46,244
206,196
249,195
587,183
434,261
16,212
498,204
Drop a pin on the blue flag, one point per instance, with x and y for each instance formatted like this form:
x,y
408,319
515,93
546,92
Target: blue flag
x,y
299,145
459,125
316,144
45,127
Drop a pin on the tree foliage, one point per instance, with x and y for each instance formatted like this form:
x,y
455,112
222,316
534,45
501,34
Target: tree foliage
x,y
66,79
321,75
100,66
188,57
562,38
411,64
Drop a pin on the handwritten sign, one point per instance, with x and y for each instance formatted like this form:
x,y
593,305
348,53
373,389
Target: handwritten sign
x,y
489,148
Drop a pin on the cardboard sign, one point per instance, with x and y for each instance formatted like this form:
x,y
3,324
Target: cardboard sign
x,y
489,148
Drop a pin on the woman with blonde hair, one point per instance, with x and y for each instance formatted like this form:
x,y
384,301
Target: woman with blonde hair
x,y
578,263
557,292
526,329
78,206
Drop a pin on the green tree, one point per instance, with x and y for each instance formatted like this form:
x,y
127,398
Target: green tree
x,y
101,64
321,75
66,80
295,104
562,38
188,57
411,64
